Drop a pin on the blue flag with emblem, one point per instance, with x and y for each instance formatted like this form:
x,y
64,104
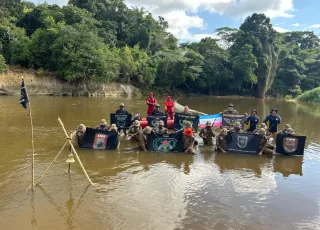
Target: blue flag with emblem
x,y
243,143
122,121
153,120
180,118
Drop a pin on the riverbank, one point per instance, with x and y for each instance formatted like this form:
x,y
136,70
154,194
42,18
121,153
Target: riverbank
x,y
43,83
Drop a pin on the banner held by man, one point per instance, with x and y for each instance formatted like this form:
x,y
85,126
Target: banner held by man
x,y
153,121
122,121
243,143
99,139
179,120
165,142
215,119
291,145
228,120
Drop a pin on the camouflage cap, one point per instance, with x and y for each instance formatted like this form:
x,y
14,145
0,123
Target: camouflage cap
x,y
262,131
187,124
81,127
157,105
224,131
103,122
237,124
208,123
287,126
161,122
121,105
114,127
290,131
136,123
147,130
263,125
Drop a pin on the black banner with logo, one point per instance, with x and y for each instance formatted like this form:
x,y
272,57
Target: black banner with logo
x,y
179,119
291,145
243,143
165,142
123,121
153,121
228,120
98,139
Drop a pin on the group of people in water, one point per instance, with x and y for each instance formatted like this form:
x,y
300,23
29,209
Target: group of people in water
x,y
267,130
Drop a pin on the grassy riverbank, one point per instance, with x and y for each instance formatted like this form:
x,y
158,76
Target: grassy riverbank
x,y
44,83
310,96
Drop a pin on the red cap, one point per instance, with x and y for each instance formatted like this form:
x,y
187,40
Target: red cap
x,y
168,97
150,93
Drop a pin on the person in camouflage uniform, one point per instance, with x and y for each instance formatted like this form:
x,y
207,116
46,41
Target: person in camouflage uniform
x,y
286,127
103,125
236,128
134,130
207,133
264,147
222,140
143,138
262,125
230,110
289,132
161,129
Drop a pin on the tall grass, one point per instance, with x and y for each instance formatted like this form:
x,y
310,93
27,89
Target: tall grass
x,y
310,96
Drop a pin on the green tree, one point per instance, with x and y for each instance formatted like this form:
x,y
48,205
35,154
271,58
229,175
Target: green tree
x,y
3,66
257,31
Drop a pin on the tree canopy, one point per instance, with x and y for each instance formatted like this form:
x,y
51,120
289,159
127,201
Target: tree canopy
x,y
105,41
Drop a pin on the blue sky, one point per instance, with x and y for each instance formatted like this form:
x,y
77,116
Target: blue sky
x,y
195,19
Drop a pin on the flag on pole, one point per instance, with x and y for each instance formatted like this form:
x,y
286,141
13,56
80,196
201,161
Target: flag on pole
x,y
23,96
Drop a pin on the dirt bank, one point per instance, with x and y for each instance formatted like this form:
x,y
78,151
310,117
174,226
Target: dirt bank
x,y
48,84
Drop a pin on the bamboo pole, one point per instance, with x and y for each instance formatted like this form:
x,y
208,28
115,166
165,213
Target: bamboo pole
x,y
32,142
54,160
74,151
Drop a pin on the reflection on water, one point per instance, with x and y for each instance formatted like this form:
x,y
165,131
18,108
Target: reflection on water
x,y
137,190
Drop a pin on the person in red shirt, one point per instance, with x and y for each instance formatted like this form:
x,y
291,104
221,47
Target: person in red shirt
x,y
169,107
151,102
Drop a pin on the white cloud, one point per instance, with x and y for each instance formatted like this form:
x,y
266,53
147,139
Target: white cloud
x,y
295,25
315,26
280,30
174,11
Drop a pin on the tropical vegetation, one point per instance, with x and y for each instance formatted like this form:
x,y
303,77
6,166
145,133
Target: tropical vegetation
x,y
106,41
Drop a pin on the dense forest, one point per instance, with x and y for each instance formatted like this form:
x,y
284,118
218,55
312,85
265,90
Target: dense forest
x,y
105,41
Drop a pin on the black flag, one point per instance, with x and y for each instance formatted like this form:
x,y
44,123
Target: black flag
x,y
98,139
122,121
179,119
165,142
290,145
23,96
228,120
153,120
243,143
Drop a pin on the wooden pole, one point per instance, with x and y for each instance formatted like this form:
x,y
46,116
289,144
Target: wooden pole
x,y
54,160
74,151
32,142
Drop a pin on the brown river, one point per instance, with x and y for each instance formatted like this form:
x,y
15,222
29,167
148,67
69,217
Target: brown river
x,y
136,190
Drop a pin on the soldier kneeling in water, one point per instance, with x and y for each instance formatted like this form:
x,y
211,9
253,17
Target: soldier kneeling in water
x,y
134,130
265,147
222,140
207,133
78,134
286,127
161,129
261,126
237,128
188,141
143,138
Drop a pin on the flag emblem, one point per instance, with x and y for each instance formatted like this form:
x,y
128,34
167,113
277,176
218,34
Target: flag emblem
x,y
290,144
242,141
100,141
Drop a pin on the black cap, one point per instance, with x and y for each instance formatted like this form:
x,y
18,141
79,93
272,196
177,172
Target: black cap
x,y
254,110
274,109
230,105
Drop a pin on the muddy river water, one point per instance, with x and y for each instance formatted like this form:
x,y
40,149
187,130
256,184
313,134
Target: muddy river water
x,y
138,190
